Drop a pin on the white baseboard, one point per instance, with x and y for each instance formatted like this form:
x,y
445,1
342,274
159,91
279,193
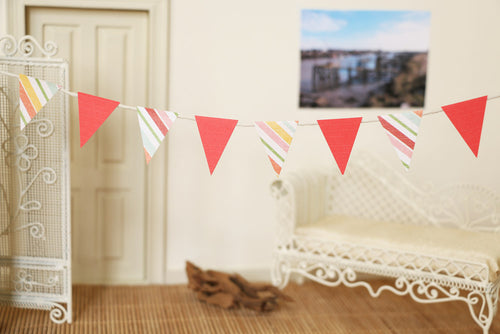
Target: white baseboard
x,y
178,276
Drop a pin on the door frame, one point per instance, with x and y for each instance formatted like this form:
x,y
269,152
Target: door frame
x,y
156,175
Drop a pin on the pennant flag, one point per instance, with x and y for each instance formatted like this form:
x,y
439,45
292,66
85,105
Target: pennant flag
x,y
93,111
33,96
154,126
277,138
340,135
214,134
467,117
402,130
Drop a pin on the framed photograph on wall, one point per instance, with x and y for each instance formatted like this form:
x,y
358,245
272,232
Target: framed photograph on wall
x,y
358,59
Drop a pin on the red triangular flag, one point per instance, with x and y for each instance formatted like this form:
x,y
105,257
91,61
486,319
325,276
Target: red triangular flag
x,y
93,111
340,135
467,117
214,134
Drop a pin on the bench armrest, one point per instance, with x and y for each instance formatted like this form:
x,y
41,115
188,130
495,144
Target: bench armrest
x,y
300,199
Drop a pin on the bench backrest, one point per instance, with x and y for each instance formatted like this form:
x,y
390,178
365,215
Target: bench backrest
x,y
373,190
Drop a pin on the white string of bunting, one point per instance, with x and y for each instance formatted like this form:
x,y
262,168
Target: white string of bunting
x,y
276,136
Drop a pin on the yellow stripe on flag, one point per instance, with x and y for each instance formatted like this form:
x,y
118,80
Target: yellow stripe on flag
x,y
31,92
280,131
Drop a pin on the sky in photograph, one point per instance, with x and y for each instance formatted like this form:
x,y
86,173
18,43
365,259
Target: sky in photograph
x,y
365,30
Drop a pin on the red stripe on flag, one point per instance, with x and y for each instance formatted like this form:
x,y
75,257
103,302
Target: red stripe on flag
x,y
396,133
400,146
157,120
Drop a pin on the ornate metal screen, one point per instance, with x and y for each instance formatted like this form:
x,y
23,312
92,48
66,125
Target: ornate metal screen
x,y
35,252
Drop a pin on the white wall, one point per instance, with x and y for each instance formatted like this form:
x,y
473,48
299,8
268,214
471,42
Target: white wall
x,y
240,60
3,17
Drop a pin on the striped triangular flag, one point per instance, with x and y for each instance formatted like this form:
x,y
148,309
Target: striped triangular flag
x,y
277,137
402,130
154,126
33,95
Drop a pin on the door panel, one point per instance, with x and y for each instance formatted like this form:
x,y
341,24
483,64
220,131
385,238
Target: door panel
x,y
108,55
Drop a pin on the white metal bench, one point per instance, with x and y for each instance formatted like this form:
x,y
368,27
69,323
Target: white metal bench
x,y
438,245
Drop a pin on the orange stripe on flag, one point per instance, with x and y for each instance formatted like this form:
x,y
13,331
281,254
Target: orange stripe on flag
x,y
148,157
276,167
26,101
30,92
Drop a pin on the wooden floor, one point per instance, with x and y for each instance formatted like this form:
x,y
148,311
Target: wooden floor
x,y
174,309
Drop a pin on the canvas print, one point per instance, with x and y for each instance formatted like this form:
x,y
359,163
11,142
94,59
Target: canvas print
x,y
356,59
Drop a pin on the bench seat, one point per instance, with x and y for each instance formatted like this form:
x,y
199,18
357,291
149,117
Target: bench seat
x,y
394,243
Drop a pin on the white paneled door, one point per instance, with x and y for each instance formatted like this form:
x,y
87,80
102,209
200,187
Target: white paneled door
x,y
108,56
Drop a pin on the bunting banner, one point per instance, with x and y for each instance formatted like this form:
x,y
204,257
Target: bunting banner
x,y
33,96
154,125
277,138
340,135
467,117
402,130
214,134
93,111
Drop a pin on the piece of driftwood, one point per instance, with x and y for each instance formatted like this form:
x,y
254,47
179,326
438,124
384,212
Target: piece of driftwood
x,y
232,290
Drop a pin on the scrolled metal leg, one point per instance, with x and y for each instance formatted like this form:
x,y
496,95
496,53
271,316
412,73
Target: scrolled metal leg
x,y
298,279
280,274
60,314
485,307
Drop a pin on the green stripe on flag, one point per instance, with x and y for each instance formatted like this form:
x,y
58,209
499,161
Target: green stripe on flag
x,y
402,124
41,89
22,117
272,150
147,124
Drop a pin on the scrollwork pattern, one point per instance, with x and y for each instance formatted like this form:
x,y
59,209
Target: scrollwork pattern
x,y
19,149
48,174
44,127
37,230
24,282
8,45
26,46
482,303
